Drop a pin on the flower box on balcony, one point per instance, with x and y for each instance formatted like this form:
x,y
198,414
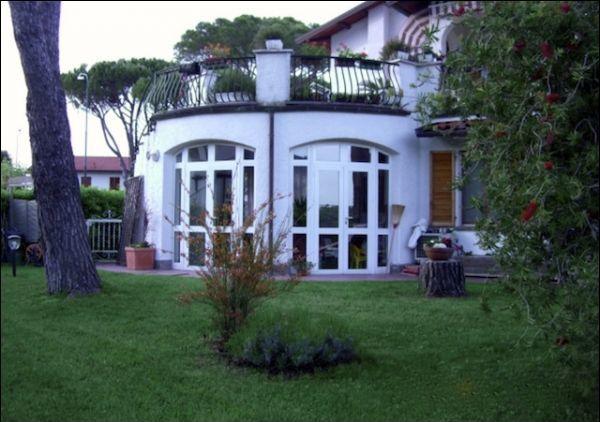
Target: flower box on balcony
x,y
370,64
344,62
214,63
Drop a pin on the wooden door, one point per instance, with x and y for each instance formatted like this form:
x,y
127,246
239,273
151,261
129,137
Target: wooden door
x,y
442,195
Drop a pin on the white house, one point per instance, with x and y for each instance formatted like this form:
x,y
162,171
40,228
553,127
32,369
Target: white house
x,y
335,136
100,172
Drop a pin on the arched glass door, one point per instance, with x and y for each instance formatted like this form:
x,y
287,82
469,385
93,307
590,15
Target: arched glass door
x,y
217,179
341,207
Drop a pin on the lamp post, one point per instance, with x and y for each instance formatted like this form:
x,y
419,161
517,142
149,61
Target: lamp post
x,y
14,242
83,76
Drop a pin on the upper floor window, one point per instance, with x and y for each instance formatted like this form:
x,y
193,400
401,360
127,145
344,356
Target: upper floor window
x,y
115,183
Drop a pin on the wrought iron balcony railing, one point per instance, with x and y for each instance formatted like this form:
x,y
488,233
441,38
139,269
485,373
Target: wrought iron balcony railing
x,y
321,79
212,81
345,80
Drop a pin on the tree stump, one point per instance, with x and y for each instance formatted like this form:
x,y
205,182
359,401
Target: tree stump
x,y
442,278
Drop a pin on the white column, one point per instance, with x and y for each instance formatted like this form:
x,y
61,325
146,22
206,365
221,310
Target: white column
x,y
273,69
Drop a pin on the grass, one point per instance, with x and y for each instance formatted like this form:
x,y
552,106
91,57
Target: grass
x,y
133,353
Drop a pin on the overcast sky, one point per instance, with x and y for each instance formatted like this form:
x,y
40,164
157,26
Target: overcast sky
x,y
94,31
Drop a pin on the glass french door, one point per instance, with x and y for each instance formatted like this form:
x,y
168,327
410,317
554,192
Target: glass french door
x,y
343,219
341,208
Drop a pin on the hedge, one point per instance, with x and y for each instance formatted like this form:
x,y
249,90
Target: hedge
x,y
95,201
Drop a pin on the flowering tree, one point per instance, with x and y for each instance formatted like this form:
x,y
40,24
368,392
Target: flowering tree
x,y
530,70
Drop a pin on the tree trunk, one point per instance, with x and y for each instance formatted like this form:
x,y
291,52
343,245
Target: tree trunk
x,y
442,278
68,261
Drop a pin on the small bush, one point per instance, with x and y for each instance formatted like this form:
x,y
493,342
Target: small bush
x,y
96,202
271,352
27,194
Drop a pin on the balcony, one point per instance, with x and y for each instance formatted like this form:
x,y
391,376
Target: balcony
x,y
278,78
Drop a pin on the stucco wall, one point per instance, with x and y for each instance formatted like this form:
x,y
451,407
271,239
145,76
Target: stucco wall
x,y
355,37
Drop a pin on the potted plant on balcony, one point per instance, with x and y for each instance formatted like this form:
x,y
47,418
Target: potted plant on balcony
x,y
215,56
140,256
430,34
233,85
270,37
395,49
313,54
346,57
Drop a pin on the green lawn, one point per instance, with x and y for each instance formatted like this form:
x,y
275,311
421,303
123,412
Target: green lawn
x,y
134,353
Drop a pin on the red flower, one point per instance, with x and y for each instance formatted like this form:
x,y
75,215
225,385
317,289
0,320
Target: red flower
x,y
500,134
547,50
549,137
459,12
529,212
565,7
552,97
519,46
548,165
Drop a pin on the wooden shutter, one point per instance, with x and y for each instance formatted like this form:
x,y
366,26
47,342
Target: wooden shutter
x,y
442,195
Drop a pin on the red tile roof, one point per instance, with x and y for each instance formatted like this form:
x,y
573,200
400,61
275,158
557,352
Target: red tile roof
x,y
111,164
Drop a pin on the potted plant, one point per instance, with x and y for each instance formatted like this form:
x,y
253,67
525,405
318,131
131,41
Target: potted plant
x,y
271,37
393,49
346,57
439,249
140,256
430,34
215,56
233,85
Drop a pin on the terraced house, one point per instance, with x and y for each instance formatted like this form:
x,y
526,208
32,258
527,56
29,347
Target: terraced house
x,y
336,136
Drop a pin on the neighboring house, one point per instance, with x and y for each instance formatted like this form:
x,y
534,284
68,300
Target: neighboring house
x,y
20,182
337,137
102,172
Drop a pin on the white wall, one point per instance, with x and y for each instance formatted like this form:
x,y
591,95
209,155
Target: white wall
x,y
248,129
356,38
101,180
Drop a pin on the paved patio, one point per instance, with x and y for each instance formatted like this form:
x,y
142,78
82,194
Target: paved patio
x,y
328,278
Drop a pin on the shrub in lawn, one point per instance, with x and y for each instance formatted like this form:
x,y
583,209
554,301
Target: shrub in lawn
x,y
269,351
238,265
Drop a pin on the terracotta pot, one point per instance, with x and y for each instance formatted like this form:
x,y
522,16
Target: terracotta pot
x,y
438,254
140,258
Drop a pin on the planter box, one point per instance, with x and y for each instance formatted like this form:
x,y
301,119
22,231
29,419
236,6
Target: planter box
x,y
370,64
344,62
232,97
140,258
403,55
274,44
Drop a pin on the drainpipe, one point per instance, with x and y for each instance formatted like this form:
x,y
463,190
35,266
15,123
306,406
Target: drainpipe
x,y
273,67
271,170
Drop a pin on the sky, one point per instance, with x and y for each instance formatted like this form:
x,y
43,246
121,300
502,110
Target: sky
x,y
93,31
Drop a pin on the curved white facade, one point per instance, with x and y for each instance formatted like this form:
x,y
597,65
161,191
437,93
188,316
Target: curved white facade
x,y
392,135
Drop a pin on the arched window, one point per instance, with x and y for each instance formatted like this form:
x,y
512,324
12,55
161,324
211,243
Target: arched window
x,y
214,186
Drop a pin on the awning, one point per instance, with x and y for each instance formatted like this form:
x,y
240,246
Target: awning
x,y
455,127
